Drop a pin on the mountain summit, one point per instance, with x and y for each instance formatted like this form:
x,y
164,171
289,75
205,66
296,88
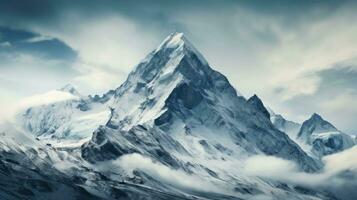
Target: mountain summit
x,y
179,42
315,124
258,104
176,58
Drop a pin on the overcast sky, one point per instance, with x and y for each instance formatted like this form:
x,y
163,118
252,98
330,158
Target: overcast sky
x,y
299,56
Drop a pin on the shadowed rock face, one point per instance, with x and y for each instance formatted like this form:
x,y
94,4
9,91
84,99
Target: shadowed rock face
x,y
258,105
187,95
101,147
331,143
163,119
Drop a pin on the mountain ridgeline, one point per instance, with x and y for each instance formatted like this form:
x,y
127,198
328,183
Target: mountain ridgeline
x,y
173,112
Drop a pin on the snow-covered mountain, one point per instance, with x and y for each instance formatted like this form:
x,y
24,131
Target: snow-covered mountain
x,y
173,122
175,91
315,136
323,137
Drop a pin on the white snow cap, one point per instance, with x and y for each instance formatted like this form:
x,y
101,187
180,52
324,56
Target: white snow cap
x,y
174,40
180,42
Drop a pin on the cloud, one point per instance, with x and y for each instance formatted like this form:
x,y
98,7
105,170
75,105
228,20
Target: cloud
x,y
339,162
16,41
113,41
279,169
304,85
22,75
5,44
343,106
108,47
166,174
10,108
44,99
338,176
31,63
334,98
95,79
268,166
39,38
27,74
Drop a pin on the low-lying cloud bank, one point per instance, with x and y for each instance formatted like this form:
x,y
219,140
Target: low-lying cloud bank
x,y
339,175
44,99
33,101
166,174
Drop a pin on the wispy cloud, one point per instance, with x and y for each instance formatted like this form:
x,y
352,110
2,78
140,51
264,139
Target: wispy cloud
x,y
166,174
8,110
95,79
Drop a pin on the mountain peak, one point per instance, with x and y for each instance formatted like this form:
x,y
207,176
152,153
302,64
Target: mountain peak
x,y
175,55
70,89
316,116
317,120
258,104
255,98
174,40
323,137
180,44
314,125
